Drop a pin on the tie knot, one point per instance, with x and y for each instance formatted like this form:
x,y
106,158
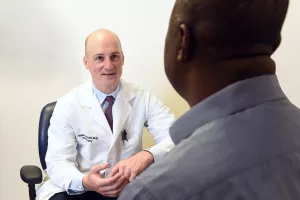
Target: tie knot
x,y
110,100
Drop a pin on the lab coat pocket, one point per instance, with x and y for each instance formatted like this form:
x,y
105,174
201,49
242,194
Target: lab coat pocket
x,y
129,142
129,138
130,147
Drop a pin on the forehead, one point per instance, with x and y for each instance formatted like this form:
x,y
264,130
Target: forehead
x,y
100,44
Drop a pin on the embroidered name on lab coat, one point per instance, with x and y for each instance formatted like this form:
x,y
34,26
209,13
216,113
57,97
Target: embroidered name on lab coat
x,y
87,138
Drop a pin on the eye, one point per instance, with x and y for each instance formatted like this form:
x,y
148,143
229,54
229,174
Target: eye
x,y
99,58
115,57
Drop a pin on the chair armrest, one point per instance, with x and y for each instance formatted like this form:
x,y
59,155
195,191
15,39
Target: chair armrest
x,y
31,174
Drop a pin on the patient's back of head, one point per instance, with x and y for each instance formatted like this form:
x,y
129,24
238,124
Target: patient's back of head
x,y
221,42
232,28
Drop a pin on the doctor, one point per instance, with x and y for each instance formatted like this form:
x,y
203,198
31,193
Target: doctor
x,y
95,135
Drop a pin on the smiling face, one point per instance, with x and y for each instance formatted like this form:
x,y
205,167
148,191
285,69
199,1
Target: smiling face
x,y
104,59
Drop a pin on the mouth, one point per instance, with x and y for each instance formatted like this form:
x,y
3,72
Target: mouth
x,y
109,74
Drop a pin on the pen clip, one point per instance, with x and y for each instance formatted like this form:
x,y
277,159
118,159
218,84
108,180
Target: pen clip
x,y
124,136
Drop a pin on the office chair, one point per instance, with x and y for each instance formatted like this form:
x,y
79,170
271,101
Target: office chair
x,y
32,174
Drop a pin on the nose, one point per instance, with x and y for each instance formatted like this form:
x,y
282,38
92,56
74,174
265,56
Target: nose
x,y
108,65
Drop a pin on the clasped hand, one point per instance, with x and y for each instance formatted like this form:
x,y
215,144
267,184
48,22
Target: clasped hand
x,y
119,176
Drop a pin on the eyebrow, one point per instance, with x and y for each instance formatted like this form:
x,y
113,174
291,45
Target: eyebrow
x,y
101,54
116,53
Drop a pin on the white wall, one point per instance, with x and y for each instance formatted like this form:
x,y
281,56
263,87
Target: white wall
x,y
41,48
288,54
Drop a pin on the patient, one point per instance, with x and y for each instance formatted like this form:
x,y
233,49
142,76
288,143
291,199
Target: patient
x,y
241,138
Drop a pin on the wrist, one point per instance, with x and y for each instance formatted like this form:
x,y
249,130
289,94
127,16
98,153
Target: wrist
x,y
84,183
148,156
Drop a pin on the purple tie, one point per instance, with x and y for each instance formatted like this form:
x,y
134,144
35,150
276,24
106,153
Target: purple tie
x,y
108,112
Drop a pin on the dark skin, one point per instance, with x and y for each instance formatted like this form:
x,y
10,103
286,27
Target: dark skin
x,y
198,65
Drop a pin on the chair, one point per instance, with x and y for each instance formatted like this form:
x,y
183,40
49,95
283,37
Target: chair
x,y
32,174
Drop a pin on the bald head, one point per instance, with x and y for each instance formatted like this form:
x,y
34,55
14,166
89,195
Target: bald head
x,y
102,36
237,26
104,59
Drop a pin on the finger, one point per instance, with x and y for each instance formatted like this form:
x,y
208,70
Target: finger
x,y
110,180
132,176
124,184
113,171
127,173
114,186
98,168
122,168
118,191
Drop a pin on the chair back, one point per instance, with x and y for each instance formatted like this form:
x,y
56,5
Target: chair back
x,y
44,124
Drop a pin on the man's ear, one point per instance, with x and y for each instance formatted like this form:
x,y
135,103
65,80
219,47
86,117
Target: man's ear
x,y
184,44
123,58
85,62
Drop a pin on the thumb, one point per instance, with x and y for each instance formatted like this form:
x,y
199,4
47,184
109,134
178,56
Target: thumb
x,y
98,168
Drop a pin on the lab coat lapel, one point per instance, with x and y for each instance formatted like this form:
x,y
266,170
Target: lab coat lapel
x,y
88,99
97,115
122,109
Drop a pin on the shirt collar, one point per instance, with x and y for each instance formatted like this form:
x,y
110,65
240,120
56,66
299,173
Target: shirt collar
x,y
101,95
232,99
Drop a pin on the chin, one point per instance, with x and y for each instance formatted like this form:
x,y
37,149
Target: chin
x,y
111,82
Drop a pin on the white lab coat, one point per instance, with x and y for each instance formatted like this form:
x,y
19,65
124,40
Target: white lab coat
x,y
80,136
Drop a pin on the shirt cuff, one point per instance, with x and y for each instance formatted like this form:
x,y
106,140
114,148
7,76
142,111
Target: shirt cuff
x,y
161,149
76,186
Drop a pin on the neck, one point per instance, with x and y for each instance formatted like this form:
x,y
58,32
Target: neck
x,y
107,89
205,81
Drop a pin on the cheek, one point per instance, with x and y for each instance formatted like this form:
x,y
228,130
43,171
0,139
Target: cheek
x,y
90,65
170,73
169,64
119,66
173,70
95,67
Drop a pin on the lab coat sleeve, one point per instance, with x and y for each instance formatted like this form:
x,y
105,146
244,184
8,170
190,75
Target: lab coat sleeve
x,y
61,154
159,120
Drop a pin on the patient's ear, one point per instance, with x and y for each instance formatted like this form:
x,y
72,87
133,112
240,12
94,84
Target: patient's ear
x,y
184,44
